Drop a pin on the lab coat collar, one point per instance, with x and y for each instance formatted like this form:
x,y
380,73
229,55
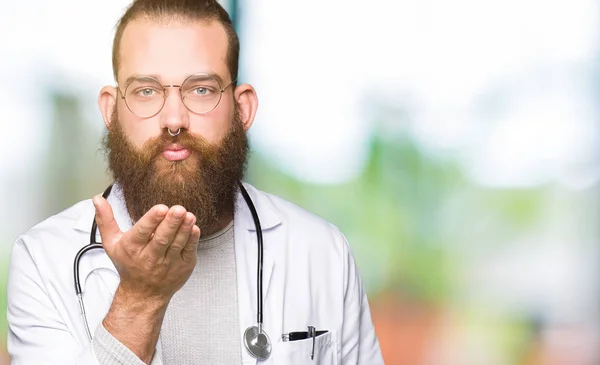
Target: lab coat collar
x,y
265,209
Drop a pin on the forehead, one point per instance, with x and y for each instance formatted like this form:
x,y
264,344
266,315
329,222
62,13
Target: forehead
x,y
173,50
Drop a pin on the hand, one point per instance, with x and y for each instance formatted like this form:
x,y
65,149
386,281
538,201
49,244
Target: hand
x,y
157,256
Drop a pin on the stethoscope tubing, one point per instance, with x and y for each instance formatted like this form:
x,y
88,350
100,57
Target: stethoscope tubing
x,y
259,265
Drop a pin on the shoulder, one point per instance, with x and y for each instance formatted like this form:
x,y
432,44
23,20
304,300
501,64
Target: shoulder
x,y
303,225
60,231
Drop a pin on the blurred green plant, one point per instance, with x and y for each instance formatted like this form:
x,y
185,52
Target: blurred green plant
x,y
4,261
75,167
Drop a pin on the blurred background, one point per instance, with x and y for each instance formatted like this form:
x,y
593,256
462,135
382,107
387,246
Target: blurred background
x,y
455,143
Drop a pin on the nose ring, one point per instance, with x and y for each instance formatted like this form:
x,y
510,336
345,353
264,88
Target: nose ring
x,y
174,134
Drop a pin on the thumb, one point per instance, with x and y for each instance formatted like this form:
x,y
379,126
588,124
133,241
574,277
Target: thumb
x,y
107,225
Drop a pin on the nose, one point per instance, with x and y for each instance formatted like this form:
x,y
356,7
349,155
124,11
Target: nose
x,y
174,115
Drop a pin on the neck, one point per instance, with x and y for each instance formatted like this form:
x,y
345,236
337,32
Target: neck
x,y
221,223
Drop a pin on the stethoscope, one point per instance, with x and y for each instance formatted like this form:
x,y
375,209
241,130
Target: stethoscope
x,y
256,340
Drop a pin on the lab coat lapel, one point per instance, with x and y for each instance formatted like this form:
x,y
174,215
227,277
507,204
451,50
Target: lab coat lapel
x,y
246,251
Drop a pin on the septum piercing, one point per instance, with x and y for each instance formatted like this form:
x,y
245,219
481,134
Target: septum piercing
x,y
174,134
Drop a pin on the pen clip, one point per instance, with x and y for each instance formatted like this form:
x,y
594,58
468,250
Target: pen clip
x,y
312,333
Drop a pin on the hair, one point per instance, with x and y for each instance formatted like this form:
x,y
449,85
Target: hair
x,y
182,10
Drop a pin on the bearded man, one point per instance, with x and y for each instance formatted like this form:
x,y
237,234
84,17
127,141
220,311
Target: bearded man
x,y
196,267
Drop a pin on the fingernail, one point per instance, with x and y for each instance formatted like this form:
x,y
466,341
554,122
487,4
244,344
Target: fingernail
x,y
95,201
162,210
179,213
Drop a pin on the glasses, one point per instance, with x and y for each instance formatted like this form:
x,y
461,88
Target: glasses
x,y
145,96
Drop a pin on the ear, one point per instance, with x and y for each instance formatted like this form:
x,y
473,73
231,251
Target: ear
x,y
107,101
247,102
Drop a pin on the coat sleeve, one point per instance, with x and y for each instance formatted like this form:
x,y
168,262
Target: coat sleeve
x,y
360,345
36,332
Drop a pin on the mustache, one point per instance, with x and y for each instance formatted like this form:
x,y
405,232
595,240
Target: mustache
x,y
154,146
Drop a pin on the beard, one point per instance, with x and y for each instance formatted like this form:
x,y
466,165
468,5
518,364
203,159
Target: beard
x,y
205,183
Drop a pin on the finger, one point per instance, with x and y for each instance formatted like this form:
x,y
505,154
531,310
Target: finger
x,y
182,236
142,231
110,232
189,251
165,232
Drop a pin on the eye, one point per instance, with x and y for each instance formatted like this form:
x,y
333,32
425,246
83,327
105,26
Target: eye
x,y
147,92
200,90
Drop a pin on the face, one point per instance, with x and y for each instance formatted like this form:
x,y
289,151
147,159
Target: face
x,y
198,169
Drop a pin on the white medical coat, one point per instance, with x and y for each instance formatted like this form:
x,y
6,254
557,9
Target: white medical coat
x,y
309,277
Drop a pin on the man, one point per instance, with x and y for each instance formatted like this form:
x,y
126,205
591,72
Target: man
x,y
176,282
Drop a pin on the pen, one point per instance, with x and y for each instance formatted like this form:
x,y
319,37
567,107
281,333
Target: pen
x,y
303,335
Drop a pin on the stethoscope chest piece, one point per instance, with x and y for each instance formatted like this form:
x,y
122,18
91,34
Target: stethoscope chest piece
x,y
257,343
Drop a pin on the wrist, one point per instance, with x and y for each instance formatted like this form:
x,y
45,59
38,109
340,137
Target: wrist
x,y
138,303
136,321
131,310
128,313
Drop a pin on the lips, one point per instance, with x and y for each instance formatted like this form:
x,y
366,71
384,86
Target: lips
x,y
176,152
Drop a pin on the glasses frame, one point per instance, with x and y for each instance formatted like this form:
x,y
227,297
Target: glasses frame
x,y
165,94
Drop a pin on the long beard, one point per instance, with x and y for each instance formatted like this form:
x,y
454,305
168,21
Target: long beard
x,y
205,183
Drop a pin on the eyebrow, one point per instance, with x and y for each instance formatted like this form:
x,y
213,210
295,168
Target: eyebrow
x,y
135,76
217,77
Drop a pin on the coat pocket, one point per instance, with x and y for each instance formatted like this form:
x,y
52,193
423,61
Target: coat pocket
x,y
299,352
